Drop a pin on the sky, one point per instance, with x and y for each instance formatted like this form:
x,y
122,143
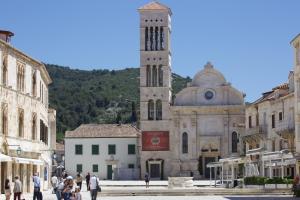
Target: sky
x,y
248,41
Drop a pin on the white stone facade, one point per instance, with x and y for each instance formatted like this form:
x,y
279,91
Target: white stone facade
x,y
27,123
179,138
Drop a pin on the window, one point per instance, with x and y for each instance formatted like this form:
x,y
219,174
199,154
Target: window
x,y
257,120
209,95
95,168
156,38
160,76
4,120
273,145
146,39
33,127
79,168
161,38
4,71
78,149
150,110
154,76
280,116
20,77
95,149
43,132
234,141
21,123
131,149
185,143
148,76
111,149
273,121
34,84
250,122
131,166
151,38
158,110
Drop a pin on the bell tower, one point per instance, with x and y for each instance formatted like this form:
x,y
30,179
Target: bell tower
x,y
155,88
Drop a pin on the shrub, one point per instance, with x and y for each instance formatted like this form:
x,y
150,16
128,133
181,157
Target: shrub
x,y
254,180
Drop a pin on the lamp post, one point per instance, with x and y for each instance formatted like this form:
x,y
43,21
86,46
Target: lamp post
x,y
19,151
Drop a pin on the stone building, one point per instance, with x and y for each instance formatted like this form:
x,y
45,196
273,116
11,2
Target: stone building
x,y
27,125
109,151
204,121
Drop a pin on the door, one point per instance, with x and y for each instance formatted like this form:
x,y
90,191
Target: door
x,y
3,169
207,170
109,172
155,171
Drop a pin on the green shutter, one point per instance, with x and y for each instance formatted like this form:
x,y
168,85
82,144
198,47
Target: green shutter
x,y
111,149
95,149
79,168
131,149
78,149
95,168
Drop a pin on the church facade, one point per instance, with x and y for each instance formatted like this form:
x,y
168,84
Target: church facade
x,y
201,125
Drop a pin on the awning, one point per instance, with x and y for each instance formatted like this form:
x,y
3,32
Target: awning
x,y
4,158
28,161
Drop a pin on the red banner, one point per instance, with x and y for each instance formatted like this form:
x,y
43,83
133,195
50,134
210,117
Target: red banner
x,y
155,140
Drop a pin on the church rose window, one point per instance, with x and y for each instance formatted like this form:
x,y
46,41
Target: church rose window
x,y
209,95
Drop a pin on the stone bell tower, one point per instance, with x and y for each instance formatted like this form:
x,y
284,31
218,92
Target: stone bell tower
x,y
155,88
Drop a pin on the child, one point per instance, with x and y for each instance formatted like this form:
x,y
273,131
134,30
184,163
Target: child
x,y
77,193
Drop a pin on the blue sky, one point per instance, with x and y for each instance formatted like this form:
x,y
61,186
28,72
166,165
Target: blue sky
x,y
248,41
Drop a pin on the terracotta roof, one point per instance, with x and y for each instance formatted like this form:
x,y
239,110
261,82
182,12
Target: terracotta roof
x,y
60,147
154,5
103,131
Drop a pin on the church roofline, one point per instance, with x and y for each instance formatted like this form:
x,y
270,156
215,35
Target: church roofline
x,y
295,38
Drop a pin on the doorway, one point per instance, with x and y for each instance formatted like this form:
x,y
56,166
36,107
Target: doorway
x,y
109,172
207,170
3,175
155,171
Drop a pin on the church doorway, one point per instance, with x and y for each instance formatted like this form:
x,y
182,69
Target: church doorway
x,y
155,169
207,170
3,175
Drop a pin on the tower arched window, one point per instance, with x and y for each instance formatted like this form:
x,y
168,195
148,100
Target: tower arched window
x,y
154,76
160,76
34,126
156,38
4,71
185,146
151,39
146,39
161,41
150,109
21,123
148,76
234,138
158,110
4,120
20,77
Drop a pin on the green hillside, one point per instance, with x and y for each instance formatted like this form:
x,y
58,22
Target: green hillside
x,y
96,96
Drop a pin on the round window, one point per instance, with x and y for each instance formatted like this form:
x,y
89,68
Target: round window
x,y
209,95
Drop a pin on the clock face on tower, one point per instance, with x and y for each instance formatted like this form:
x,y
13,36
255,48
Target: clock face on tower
x,y
209,95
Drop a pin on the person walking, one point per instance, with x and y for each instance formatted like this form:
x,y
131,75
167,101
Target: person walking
x,y
17,188
94,183
79,179
147,180
37,186
7,189
54,183
77,193
68,186
87,179
60,189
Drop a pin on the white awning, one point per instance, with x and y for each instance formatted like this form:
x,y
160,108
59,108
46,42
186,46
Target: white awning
x,y
4,158
28,161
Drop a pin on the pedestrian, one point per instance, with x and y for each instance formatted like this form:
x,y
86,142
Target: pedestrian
x,y
147,179
79,179
94,184
54,183
77,193
7,189
68,186
87,179
60,188
37,186
17,188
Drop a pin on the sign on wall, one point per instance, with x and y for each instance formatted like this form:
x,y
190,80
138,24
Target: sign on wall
x,y
155,140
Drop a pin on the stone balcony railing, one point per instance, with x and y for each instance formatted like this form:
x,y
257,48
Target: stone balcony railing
x,y
285,127
257,130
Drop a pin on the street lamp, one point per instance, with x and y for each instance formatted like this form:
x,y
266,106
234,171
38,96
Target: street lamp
x,y
19,150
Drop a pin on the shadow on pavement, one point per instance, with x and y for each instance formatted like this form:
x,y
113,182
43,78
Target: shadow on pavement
x,y
260,198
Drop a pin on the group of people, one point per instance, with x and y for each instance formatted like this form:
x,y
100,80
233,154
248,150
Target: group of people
x,y
18,188
64,187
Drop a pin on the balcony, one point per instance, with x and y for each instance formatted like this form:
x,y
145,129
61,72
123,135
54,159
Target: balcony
x,y
285,126
255,133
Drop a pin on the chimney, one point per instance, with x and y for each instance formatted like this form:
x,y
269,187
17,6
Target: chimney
x,y
6,35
